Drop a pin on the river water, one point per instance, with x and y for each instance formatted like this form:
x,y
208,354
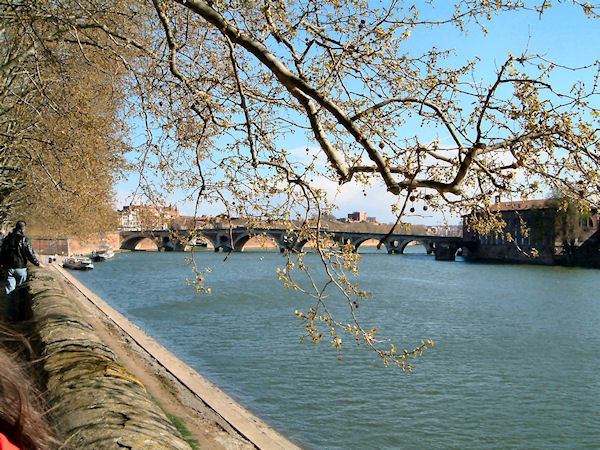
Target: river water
x,y
516,361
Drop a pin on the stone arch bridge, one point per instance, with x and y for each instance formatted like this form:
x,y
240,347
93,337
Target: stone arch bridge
x,y
234,240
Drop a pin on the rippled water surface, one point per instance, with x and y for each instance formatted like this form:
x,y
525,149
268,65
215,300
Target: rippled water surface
x,y
516,361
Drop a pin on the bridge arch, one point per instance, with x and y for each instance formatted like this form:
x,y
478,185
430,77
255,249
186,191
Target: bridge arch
x,y
428,245
397,244
285,241
353,239
133,242
358,242
162,240
262,241
240,241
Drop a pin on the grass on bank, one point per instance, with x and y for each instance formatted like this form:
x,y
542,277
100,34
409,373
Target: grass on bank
x,y
180,426
177,423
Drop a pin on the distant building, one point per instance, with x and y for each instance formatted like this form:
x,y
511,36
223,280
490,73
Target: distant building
x,y
443,230
372,219
129,219
358,216
455,231
147,217
435,230
182,222
534,227
202,221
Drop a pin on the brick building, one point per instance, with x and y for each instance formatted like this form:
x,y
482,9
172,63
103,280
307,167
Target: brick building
x,y
358,216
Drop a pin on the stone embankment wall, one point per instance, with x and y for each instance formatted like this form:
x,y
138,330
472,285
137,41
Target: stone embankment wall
x,y
74,246
95,402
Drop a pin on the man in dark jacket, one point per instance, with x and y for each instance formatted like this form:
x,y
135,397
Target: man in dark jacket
x,y
15,252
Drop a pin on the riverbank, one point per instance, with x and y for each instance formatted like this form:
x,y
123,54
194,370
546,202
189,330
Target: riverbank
x,y
212,419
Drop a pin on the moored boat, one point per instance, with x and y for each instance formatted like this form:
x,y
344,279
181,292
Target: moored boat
x,y
103,253
78,263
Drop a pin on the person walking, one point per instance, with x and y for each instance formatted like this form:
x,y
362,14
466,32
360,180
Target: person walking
x,y
16,250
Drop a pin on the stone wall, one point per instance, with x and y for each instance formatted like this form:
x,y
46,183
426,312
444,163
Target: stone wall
x,y
94,401
79,247
74,246
50,246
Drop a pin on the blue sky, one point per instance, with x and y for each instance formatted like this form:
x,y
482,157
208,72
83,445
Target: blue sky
x,y
564,35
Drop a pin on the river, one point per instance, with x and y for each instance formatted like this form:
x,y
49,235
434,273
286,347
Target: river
x,y
516,360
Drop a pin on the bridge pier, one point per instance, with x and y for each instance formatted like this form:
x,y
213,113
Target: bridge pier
x,y
287,242
430,247
344,240
446,251
170,245
395,246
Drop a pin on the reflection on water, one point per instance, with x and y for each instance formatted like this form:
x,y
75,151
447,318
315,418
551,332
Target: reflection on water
x,y
515,362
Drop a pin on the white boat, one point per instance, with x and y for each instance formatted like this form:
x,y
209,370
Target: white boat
x,y
78,263
103,253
